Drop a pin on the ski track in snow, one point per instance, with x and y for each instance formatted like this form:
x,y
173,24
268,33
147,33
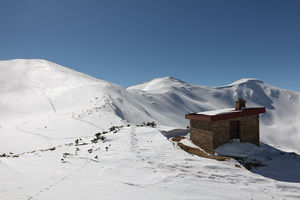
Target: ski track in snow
x,y
17,127
77,119
80,120
86,122
52,104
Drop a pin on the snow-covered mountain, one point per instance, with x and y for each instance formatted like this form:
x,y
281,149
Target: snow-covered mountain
x,y
41,88
173,98
49,115
42,103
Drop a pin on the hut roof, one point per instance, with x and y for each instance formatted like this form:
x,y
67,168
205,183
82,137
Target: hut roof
x,y
223,114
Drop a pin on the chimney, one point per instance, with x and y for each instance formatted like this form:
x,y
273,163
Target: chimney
x,y
240,104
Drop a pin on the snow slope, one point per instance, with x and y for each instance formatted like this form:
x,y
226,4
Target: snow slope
x,y
140,163
277,164
51,98
173,98
43,103
45,107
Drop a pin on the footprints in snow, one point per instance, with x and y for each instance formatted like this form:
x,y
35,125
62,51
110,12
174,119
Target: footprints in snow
x,y
47,188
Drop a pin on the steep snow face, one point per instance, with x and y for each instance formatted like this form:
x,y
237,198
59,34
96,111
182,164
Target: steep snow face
x,y
173,98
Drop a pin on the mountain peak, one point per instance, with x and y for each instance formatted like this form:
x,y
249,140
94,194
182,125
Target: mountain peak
x,y
39,74
246,80
168,79
158,84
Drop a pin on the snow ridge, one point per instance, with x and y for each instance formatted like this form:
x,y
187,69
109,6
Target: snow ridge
x,y
41,87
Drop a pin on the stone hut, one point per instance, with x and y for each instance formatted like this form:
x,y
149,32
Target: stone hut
x,y
212,129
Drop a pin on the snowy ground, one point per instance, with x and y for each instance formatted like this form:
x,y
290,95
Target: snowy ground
x,y
44,105
138,163
274,163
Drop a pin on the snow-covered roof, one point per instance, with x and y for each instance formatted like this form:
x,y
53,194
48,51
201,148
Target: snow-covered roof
x,y
225,113
218,112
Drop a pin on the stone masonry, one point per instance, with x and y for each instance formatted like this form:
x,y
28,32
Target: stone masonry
x,y
210,135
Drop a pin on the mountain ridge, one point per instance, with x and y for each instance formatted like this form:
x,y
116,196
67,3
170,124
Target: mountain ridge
x,y
43,87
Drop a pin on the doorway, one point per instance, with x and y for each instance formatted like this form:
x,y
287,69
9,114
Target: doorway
x,y
234,129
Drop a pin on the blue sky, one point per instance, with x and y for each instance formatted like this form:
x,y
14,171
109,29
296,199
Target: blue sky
x,y
205,42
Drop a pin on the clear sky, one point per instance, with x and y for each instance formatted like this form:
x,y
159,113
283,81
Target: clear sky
x,y
205,42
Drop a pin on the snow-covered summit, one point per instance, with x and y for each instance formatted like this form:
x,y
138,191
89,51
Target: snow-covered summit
x,y
41,86
40,74
246,81
159,84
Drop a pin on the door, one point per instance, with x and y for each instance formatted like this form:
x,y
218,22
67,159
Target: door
x,y
234,129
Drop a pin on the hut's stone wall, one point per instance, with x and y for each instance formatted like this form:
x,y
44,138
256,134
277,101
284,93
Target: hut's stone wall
x,y
250,129
210,135
203,139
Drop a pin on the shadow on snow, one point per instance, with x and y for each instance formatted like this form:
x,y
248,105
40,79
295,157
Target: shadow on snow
x,y
273,163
